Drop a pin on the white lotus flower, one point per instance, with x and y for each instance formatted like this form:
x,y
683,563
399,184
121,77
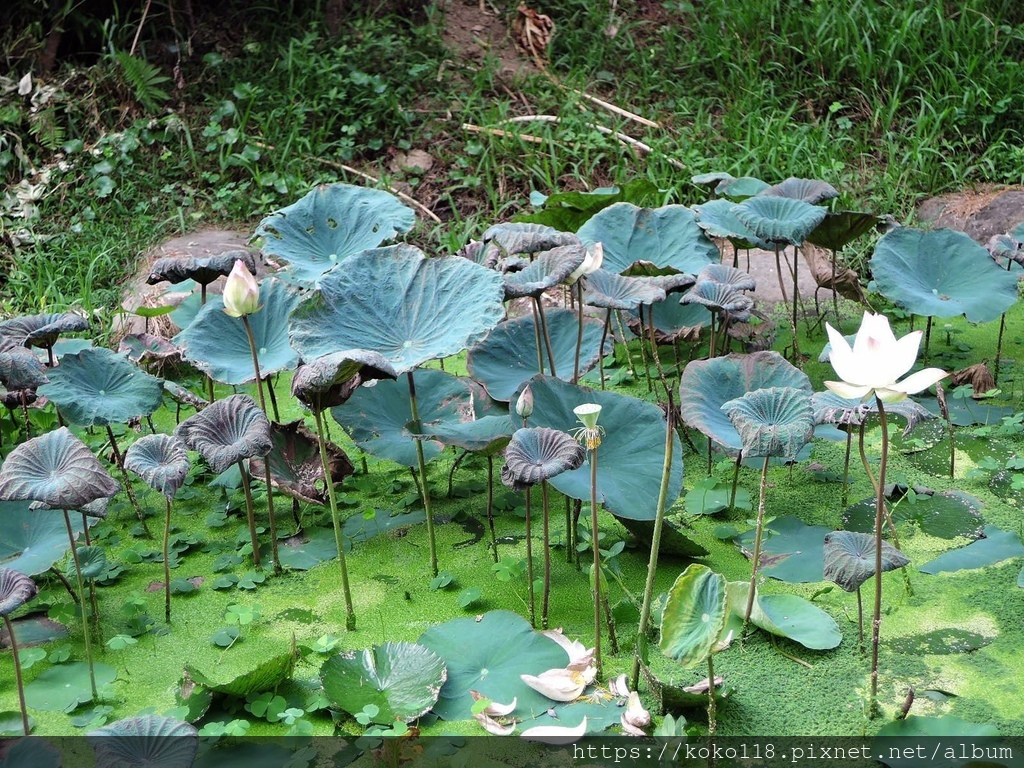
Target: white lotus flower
x,y
875,362
561,684
554,734
241,292
591,263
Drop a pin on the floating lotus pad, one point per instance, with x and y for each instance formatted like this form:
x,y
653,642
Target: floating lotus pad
x,y
779,220
850,558
792,551
330,224
161,461
538,454
295,465
63,687
777,421
204,269
996,546
793,617
228,431
32,541
810,191
946,515
397,302
548,269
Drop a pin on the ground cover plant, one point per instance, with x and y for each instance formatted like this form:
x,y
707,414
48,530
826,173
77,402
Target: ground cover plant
x,y
605,352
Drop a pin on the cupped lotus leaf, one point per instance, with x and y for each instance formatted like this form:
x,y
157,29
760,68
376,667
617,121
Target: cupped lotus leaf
x,y
996,545
719,297
830,408
97,387
509,239
548,269
941,273
331,379
475,251
32,541
706,385
792,550
218,345
487,654
160,460
402,680
228,431
20,369
667,236
850,558
741,188
42,330
801,621
841,228
736,279
810,191
63,687
777,421
203,269
946,515
398,302
92,560
508,356
610,290
16,589
673,321
295,465
144,741
693,620
56,469
146,346
330,224
717,219
779,220
632,451
538,454
486,435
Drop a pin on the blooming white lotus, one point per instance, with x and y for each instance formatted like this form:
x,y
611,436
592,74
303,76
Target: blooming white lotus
x,y
875,362
591,263
241,292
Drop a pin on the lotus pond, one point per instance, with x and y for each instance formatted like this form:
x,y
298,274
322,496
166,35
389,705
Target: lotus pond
x,y
572,462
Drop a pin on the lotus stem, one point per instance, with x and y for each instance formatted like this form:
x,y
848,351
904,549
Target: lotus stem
x,y
209,379
529,563
625,341
712,715
547,558
537,339
876,624
860,621
250,513
600,349
654,350
613,641
350,614
64,580
735,479
577,511
927,337
652,562
28,423
167,566
846,468
422,482
273,399
490,506
778,271
643,352
17,675
568,530
835,292
119,460
796,300
999,342
81,604
757,545
888,517
711,341
579,334
547,336
594,534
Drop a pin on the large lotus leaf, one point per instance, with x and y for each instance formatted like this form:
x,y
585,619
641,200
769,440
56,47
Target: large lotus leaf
x,y
548,269
203,269
16,589
632,451
485,435
798,619
941,273
511,238
810,191
330,224
397,302
996,546
218,345
295,465
916,726
778,421
850,558
830,408
792,551
674,320
668,236
694,615
610,290
716,217
706,385
331,379
32,541
228,431
538,454
945,515
966,412
841,228
20,369
779,220
487,654
146,346
42,330
719,297
378,418
246,675
144,741
98,387
63,687
309,548
741,188
56,469
160,460
359,528
736,279
508,356
402,680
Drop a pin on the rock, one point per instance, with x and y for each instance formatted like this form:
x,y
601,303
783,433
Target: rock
x,y
981,213
414,161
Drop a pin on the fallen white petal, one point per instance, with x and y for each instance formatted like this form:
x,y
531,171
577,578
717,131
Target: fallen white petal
x,y
493,726
629,729
578,653
619,686
635,713
557,684
494,709
554,734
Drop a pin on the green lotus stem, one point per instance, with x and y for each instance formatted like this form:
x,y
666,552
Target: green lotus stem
x,y
652,562
643,352
835,292
735,480
17,675
209,379
490,506
597,560
654,350
529,562
273,400
712,716
846,468
422,481
860,621
537,339
600,349
874,488
796,299
778,272
999,342
547,558
579,334
350,614
625,341
119,460
28,423
757,546
876,622
568,530
711,342
547,336
167,567
81,603
250,513
927,337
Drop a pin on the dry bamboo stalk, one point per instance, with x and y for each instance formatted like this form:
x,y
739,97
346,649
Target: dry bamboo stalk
x,y
499,132
617,110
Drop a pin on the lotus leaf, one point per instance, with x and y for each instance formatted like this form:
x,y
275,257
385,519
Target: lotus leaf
x,y
42,330
996,546
146,740
228,431
717,218
97,387
723,273
741,187
359,528
402,680
720,297
56,469
841,228
508,356
548,269
609,290
160,460
706,385
330,380
31,542
966,412
397,302
568,211
779,220
778,421
247,675
486,435
632,451
676,321
20,369
941,273
330,224
714,178
600,715
668,236
945,515
693,620
488,654
308,549
146,346
810,191
92,560
508,239
203,269
295,465
184,396
674,541
218,345
538,454
64,687
830,408
798,619
895,735
792,550
850,558
16,589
